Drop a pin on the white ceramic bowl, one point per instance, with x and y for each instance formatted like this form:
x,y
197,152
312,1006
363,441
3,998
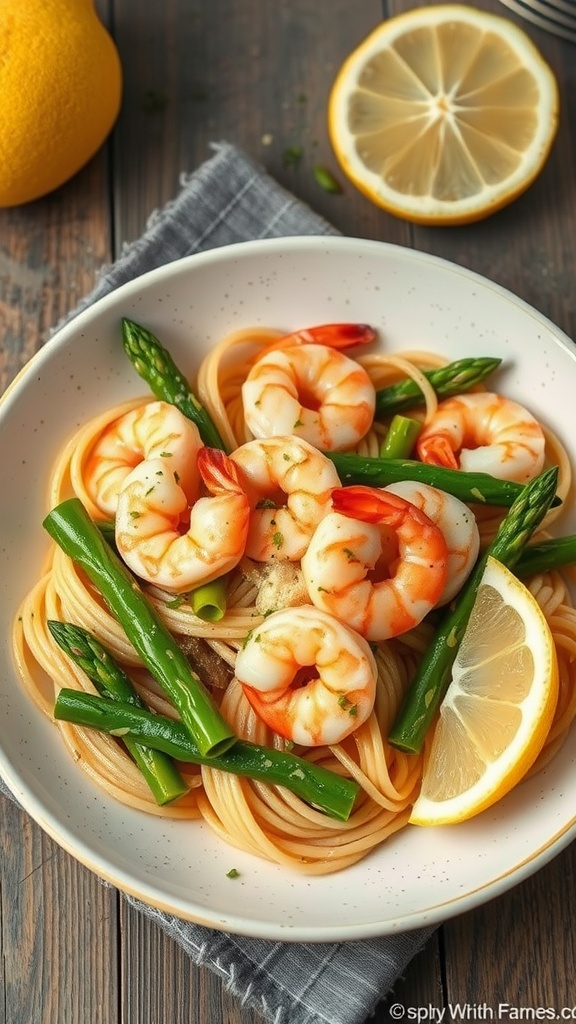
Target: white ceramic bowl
x,y
416,301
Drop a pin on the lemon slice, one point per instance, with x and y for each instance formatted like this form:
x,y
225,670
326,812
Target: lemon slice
x,y
499,707
444,114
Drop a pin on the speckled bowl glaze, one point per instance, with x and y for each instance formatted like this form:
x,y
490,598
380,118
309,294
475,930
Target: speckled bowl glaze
x,y
417,302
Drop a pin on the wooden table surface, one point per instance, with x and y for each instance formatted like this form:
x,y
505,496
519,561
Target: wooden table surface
x,y
256,74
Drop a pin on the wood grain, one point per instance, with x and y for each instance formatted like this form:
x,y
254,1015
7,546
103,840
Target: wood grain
x,y
258,75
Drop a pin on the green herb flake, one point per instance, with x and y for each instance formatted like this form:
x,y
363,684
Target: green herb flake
x,y
233,873
350,555
292,156
266,503
154,102
326,180
277,539
347,705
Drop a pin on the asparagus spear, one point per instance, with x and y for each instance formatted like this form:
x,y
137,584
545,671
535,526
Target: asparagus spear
x,y
324,789
159,771
546,555
71,527
452,379
434,672
156,366
469,487
401,438
209,601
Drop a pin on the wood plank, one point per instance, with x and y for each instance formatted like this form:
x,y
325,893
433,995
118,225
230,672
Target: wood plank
x,y
59,923
178,992
59,930
258,77
517,950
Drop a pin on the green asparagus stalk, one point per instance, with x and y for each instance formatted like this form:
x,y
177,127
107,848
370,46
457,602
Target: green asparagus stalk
x,y
159,771
480,488
325,790
107,528
449,380
434,672
156,366
209,601
71,527
547,555
400,439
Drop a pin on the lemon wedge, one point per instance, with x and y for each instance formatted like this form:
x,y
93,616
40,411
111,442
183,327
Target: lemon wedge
x,y
498,709
443,114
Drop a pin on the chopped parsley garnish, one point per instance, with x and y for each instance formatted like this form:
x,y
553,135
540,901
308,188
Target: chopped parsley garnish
x,y
177,601
326,180
292,156
350,555
347,705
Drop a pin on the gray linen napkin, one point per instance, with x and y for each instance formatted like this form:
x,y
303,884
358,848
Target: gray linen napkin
x,y
231,199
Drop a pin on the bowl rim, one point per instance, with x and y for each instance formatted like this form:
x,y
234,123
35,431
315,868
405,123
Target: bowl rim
x,y
25,795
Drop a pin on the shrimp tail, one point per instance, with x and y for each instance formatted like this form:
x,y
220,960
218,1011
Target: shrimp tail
x,y
337,336
219,473
371,505
340,335
436,451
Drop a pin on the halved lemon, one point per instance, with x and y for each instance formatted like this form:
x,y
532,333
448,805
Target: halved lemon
x,y
443,114
498,709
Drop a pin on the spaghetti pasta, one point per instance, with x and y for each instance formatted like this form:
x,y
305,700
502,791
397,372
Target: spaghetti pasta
x,y
267,821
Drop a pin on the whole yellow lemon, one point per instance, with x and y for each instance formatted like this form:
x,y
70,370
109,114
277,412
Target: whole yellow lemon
x,y
60,92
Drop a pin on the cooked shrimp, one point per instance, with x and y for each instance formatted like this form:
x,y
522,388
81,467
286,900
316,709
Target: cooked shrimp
x,y
311,678
288,483
376,562
175,546
156,430
484,432
310,390
457,524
